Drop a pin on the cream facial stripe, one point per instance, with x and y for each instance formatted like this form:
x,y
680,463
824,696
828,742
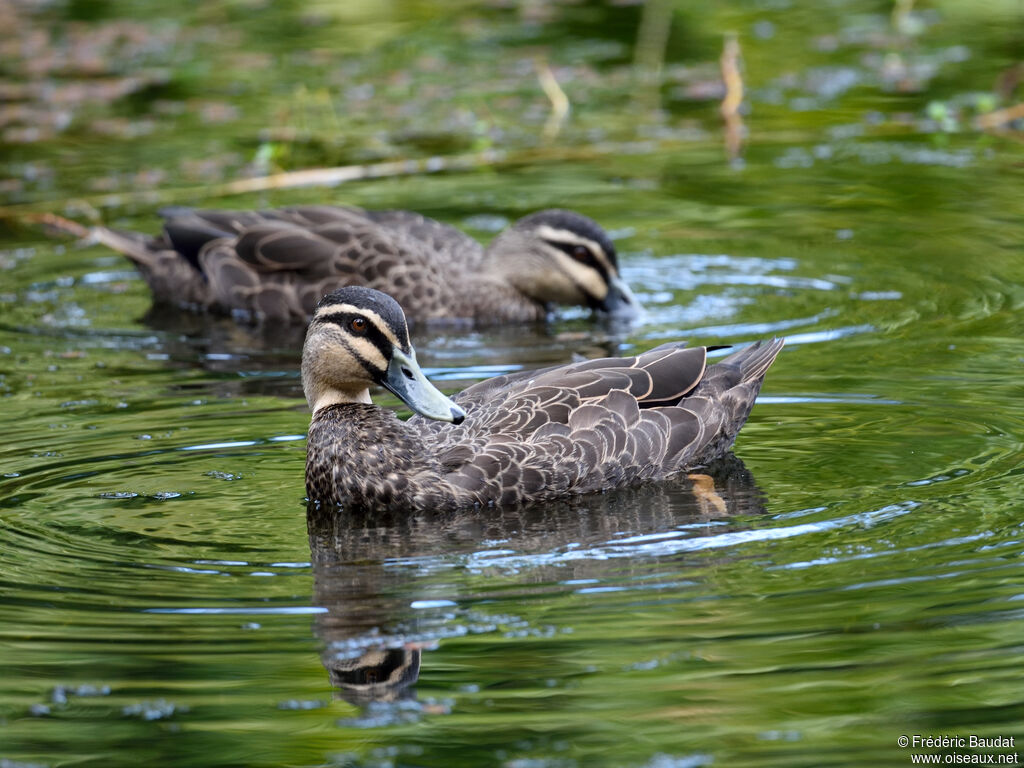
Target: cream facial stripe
x,y
588,278
567,237
379,322
367,352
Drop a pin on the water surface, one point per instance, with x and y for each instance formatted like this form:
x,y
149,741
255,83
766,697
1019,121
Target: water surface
x,y
854,575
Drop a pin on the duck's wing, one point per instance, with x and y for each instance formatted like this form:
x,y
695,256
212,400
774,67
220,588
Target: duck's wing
x,y
314,240
307,237
268,263
330,238
654,377
278,263
597,424
311,250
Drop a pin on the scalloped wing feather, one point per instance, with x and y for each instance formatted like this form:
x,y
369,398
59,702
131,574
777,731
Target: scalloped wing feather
x,y
307,251
582,427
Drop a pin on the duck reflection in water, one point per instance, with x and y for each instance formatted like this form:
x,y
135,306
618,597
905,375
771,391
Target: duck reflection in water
x,y
377,674
365,567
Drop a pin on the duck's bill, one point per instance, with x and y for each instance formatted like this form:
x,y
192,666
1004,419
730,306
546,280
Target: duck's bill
x,y
407,382
620,302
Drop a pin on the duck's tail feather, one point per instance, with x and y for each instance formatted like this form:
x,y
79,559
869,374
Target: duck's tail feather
x,y
729,389
754,360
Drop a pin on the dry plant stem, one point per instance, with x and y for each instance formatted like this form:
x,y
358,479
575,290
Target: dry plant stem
x,y
730,108
1001,117
312,177
90,207
53,222
559,101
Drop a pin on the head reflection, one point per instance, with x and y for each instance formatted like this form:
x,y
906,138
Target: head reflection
x,y
366,569
378,674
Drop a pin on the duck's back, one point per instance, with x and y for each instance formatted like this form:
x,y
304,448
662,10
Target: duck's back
x,y
597,425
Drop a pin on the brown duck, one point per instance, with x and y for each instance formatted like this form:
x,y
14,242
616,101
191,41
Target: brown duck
x,y
276,264
528,436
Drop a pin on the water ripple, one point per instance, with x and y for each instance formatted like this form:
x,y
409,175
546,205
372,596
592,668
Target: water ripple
x,y
659,545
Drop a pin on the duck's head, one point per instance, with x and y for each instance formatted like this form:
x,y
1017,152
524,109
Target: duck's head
x,y
563,257
357,338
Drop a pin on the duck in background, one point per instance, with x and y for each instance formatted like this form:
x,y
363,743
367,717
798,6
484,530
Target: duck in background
x,y
275,265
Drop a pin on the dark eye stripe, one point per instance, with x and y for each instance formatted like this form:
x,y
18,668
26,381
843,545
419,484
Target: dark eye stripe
x,y
342,319
591,261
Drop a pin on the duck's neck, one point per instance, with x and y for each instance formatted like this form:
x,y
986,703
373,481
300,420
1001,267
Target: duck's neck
x,y
327,396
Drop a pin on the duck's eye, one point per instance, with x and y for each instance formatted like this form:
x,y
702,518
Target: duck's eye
x,y
358,325
580,252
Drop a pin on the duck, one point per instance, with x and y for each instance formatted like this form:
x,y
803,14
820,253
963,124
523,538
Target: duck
x,y
274,265
522,437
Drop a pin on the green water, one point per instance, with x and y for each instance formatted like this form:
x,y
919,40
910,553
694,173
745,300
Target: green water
x,y
856,576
